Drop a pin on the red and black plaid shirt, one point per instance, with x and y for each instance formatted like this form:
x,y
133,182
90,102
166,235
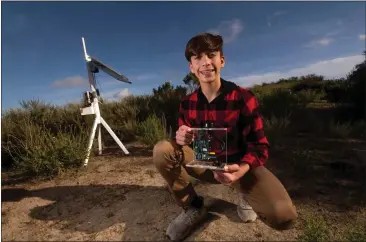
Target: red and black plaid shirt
x,y
236,109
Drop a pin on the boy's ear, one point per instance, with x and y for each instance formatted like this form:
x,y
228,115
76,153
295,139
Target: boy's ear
x,y
190,66
222,61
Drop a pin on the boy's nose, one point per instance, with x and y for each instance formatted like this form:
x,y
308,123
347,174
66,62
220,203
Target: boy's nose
x,y
205,60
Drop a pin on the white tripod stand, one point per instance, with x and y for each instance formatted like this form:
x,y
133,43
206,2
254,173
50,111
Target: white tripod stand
x,y
92,102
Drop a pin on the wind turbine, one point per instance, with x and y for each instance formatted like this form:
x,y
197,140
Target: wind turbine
x,y
92,102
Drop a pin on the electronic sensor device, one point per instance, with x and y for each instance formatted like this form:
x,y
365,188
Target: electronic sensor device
x,y
209,148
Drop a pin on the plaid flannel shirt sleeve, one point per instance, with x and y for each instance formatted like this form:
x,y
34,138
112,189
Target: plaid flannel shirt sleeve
x,y
182,115
257,143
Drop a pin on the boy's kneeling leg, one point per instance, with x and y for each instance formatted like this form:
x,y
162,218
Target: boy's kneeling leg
x,y
269,199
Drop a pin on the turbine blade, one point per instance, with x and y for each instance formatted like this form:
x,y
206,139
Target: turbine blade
x,y
109,70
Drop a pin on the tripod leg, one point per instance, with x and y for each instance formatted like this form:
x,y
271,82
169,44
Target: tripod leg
x,y
114,135
91,139
100,139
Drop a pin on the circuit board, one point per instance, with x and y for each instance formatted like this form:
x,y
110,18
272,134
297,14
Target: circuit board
x,y
206,148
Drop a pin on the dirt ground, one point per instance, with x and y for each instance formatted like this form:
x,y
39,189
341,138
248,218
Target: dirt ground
x,y
120,197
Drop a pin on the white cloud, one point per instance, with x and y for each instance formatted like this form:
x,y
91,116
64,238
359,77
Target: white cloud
x,y
115,95
273,16
334,68
74,81
123,93
323,33
319,42
229,29
362,36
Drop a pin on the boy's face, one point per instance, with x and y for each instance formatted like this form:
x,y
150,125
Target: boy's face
x,y
207,66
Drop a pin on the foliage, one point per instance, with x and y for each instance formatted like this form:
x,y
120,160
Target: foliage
x,y
191,81
275,128
165,101
152,130
357,89
34,146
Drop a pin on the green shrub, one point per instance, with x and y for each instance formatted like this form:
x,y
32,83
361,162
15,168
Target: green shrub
x,y
121,116
340,130
304,98
336,90
275,128
42,139
309,82
152,130
37,151
278,102
165,102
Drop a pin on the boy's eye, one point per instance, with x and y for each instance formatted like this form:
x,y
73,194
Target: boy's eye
x,y
209,55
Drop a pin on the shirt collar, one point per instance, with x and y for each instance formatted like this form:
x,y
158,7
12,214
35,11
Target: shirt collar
x,y
224,88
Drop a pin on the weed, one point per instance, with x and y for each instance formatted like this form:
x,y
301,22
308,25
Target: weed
x,y
276,128
315,230
357,233
340,130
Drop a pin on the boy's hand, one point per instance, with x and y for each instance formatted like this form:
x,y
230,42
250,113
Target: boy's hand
x,y
184,135
231,174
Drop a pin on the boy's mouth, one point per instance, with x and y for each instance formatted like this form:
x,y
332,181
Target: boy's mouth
x,y
207,72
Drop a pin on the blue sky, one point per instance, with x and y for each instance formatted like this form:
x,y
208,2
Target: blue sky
x,y
42,55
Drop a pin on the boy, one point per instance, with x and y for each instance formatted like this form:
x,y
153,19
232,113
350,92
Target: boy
x,y
226,105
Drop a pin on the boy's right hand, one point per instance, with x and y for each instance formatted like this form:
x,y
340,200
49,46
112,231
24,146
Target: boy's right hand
x,y
184,135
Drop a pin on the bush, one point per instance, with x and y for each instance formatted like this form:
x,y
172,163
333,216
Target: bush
x,y
275,128
336,91
279,103
304,98
308,83
36,151
357,90
340,130
152,130
122,116
165,102
35,128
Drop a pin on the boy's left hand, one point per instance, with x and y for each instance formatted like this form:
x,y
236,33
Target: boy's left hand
x,y
231,174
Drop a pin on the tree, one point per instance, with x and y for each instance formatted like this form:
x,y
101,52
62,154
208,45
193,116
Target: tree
x,y
357,90
166,100
191,81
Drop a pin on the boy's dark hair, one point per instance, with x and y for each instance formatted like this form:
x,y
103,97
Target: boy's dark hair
x,y
203,43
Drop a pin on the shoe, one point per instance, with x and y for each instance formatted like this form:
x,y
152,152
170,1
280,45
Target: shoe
x,y
182,225
245,211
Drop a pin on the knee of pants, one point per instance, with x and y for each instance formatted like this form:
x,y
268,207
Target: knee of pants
x,y
161,152
283,215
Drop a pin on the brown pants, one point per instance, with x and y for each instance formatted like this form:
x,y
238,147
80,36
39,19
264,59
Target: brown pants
x,y
263,191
